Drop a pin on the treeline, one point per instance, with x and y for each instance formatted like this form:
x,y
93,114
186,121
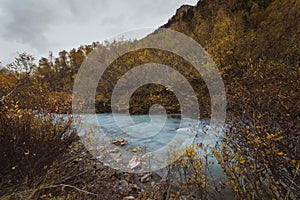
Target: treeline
x,y
239,36
46,85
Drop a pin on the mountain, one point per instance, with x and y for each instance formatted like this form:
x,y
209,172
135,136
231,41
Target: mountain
x,y
235,32
255,45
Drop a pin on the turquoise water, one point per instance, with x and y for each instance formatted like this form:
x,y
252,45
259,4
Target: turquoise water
x,y
173,126
149,136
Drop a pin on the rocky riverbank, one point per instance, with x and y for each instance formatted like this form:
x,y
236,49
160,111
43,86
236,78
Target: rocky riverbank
x,y
78,175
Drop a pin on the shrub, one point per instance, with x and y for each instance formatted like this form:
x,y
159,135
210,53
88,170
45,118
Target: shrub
x,y
29,144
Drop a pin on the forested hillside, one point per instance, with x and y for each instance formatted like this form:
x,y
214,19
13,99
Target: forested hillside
x,y
256,47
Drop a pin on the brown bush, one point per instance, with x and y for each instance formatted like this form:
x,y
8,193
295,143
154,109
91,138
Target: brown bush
x,y
29,144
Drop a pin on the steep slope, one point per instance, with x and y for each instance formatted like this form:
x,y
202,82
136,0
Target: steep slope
x,y
235,32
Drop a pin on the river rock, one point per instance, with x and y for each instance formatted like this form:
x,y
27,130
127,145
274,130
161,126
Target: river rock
x,y
134,162
115,150
123,185
120,141
146,178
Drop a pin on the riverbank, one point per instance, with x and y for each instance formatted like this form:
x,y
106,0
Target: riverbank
x,y
77,175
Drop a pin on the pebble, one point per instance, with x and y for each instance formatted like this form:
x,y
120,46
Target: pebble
x,y
129,198
137,150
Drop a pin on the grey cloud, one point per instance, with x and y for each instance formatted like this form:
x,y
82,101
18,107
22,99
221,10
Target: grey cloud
x,y
27,21
46,24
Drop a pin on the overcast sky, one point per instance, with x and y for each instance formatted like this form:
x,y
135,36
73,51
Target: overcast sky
x,y
40,26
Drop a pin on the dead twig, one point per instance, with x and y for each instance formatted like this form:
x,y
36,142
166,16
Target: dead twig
x,y
70,186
